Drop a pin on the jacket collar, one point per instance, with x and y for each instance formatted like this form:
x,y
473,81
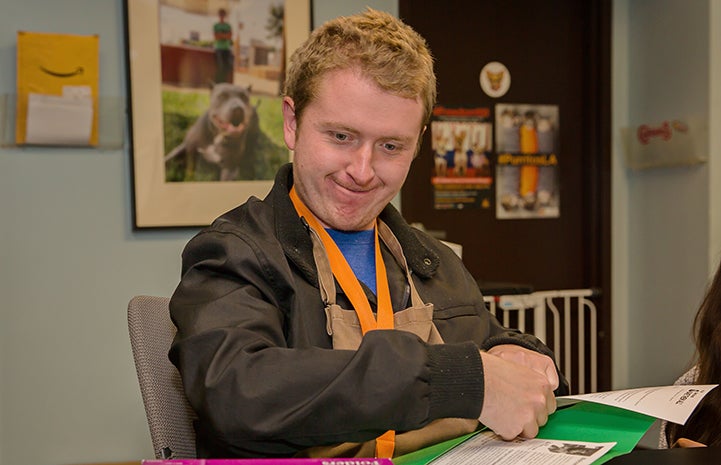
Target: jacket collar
x,y
422,259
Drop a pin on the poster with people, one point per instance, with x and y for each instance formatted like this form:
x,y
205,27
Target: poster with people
x,y
462,142
527,161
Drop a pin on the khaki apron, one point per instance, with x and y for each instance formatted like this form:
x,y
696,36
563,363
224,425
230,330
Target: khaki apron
x,y
345,329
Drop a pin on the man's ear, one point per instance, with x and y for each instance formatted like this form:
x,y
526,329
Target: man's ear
x,y
290,122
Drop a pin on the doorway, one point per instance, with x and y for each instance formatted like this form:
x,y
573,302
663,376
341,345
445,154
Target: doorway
x,y
557,55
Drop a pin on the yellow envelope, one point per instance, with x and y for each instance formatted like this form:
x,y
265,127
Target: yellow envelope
x,y
61,72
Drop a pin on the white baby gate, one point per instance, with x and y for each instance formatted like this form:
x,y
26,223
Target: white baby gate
x,y
551,316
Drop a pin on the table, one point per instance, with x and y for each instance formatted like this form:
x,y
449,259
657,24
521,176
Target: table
x,y
676,456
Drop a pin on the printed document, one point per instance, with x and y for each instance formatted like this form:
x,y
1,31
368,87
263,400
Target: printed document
x,y
672,403
487,447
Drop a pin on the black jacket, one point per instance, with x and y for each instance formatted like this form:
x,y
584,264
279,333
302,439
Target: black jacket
x,y
257,362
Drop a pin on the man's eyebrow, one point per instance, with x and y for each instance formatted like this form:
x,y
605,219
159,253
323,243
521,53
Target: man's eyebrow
x,y
335,126
341,127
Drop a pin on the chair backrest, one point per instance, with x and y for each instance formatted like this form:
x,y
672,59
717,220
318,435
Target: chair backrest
x,y
170,416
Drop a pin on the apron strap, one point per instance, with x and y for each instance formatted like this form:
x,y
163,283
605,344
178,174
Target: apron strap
x,y
326,283
390,240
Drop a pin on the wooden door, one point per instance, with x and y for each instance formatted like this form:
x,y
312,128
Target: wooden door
x,y
558,54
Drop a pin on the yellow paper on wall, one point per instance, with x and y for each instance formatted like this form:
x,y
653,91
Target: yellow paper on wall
x,y
57,89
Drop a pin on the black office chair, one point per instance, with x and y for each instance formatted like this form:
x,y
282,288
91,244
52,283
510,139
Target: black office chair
x,y
170,416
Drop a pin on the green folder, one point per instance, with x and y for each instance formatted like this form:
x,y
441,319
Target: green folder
x,y
583,421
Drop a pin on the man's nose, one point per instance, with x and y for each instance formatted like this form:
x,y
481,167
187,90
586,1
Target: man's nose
x,y
361,165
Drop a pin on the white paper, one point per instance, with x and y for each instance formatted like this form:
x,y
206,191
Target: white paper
x,y
487,447
666,143
60,120
672,403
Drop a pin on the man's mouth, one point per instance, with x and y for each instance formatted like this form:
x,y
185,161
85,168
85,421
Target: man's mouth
x,y
354,188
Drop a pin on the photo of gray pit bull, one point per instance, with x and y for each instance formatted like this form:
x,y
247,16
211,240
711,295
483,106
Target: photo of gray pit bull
x,y
224,136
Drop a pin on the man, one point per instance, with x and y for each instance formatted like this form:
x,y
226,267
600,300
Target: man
x,y
317,322
223,41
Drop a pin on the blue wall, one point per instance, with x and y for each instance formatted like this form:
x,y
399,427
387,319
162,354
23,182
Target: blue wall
x,y
70,262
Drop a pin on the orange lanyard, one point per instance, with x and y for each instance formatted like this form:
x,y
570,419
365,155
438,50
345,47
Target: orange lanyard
x,y
347,279
385,444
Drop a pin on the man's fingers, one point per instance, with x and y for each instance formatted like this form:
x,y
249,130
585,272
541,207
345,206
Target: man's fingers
x,y
542,419
551,404
530,431
518,396
536,361
552,375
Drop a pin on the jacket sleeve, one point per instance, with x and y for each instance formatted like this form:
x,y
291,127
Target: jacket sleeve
x,y
257,393
466,317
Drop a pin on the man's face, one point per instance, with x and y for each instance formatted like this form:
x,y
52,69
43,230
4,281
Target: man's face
x,y
353,149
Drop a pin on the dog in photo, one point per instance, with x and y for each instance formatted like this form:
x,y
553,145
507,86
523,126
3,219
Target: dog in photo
x,y
223,136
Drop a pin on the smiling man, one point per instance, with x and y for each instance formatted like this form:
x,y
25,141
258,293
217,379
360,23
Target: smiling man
x,y
317,322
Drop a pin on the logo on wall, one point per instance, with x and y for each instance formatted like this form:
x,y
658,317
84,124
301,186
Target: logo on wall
x,y
495,79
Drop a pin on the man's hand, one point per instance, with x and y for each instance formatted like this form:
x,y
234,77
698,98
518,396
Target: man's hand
x,y
528,358
518,393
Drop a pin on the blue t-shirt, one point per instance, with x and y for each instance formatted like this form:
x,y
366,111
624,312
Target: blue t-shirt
x,y
358,248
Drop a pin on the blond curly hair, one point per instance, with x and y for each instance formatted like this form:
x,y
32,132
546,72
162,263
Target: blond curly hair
x,y
382,47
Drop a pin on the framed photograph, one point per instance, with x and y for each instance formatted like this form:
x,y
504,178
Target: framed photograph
x,y
204,89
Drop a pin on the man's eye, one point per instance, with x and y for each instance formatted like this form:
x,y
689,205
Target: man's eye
x,y
340,137
390,147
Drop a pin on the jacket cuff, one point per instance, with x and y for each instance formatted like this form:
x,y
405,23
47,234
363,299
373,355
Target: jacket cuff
x,y
516,339
456,381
